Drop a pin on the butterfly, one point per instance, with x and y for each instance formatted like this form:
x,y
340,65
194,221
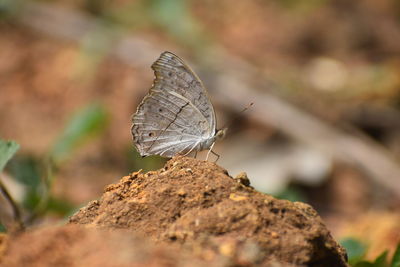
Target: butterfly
x,y
176,117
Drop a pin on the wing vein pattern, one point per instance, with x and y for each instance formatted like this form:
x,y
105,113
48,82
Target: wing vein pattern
x,y
177,115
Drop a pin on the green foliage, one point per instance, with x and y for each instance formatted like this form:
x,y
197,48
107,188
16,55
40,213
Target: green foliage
x,y
380,261
26,170
292,193
2,228
60,206
302,6
7,150
8,8
145,163
94,47
396,257
37,175
174,17
355,249
34,199
356,252
85,125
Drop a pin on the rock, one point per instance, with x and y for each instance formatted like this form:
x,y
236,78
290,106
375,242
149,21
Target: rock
x,y
198,207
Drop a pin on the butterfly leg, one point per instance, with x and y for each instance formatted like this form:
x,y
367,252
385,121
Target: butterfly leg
x,y
215,155
210,150
193,147
195,154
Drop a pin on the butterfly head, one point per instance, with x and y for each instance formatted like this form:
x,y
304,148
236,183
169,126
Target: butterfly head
x,y
221,133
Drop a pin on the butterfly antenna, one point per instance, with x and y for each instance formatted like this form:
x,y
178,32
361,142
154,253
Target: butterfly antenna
x,y
237,116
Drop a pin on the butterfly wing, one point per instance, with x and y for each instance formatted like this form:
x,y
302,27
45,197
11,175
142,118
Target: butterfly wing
x,y
177,115
172,72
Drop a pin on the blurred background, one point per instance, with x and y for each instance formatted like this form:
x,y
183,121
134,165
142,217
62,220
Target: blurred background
x,y
324,76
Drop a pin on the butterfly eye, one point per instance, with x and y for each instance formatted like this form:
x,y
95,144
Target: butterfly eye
x,y
151,134
160,110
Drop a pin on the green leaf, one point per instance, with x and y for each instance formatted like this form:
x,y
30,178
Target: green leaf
x,y
86,124
355,250
7,150
363,264
60,206
396,257
52,205
292,193
26,170
145,163
31,200
380,261
9,8
94,47
176,18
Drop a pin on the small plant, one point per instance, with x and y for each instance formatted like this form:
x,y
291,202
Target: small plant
x,y
356,253
38,175
7,151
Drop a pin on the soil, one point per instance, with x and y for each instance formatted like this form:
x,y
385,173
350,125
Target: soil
x,y
74,245
197,207
189,213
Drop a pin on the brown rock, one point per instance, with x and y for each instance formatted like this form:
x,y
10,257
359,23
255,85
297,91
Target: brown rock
x,y
199,207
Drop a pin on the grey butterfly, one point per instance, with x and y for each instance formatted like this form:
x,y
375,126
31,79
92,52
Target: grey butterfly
x,y
177,116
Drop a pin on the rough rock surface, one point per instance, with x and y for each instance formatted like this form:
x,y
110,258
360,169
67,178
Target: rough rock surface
x,y
198,207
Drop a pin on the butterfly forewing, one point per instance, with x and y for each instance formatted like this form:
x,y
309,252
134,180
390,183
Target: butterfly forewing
x,y
177,115
172,73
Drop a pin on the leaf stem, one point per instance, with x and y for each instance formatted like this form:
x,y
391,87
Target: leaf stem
x,y
19,225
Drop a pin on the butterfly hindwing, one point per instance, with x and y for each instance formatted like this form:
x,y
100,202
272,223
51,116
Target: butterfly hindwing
x,y
159,124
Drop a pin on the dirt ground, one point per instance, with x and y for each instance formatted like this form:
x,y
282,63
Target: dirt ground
x,y
188,209
73,245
